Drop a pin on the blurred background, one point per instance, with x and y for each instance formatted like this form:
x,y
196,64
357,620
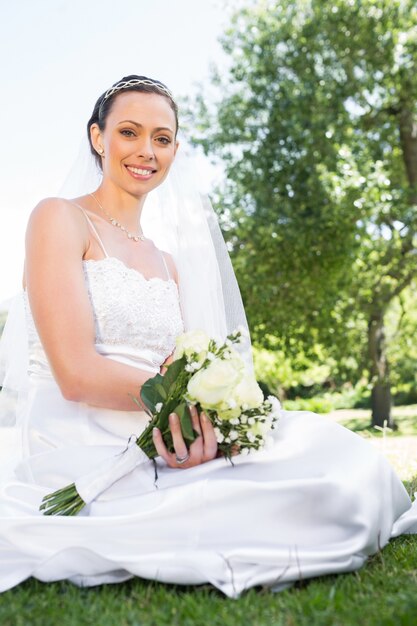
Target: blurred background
x,y
58,56
303,117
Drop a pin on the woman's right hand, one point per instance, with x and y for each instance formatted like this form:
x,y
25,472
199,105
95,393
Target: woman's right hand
x,y
203,448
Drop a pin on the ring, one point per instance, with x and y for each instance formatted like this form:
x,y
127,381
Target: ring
x,y
182,459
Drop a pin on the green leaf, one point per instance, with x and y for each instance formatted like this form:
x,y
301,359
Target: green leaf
x,y
148,399
150,393
160,389
175,368
183,412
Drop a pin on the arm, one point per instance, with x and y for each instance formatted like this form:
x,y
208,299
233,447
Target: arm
x,y
57,239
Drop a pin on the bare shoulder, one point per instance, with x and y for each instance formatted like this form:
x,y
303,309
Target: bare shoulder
x,y
56,209
58,217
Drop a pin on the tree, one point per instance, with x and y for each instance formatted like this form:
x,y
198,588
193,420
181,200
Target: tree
x,y
316,123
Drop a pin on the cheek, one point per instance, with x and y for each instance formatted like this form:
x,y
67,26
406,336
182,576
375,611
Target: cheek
x,y
113,146
167,157
117,147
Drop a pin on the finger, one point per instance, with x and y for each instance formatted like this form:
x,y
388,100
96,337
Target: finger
x,y
209,436
195,419
196,448
160,445
163,452
177,438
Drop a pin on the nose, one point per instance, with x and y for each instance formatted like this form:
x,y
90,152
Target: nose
x,y
145,148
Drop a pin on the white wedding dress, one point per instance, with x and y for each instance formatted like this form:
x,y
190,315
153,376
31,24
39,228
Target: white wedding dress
x,y
318,501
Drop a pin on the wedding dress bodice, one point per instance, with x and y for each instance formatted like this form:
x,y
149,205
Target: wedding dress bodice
x,y
136,319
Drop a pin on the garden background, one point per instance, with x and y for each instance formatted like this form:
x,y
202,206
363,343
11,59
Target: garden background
x,y
309,119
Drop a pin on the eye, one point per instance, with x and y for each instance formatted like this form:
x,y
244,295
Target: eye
x,y
127,132
164,140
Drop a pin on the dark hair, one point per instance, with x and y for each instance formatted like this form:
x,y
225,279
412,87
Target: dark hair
x,y
104,104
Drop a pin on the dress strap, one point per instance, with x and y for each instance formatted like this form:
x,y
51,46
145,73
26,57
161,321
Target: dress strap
x,y
166,266
93,228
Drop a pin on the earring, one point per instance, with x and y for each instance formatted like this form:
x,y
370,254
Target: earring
x,y
101,152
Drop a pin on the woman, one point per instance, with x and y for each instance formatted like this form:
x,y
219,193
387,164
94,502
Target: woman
x,y
135,136
103,307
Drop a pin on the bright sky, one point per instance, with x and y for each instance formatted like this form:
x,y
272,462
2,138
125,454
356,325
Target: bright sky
x,y
58,56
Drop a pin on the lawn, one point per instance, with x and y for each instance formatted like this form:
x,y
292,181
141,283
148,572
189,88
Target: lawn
x,y
382,593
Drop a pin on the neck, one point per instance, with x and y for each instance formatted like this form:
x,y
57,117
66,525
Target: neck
x,y
121,205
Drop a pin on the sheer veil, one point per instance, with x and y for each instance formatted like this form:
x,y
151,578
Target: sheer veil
x,y
180,221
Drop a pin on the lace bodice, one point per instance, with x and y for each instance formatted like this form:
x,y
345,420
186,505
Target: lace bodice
x,y
131,309
135,318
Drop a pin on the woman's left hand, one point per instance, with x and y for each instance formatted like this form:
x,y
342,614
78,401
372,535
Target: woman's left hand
x,y
203,448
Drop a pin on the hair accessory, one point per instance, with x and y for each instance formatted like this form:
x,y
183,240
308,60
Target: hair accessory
x,y
113,221
124,84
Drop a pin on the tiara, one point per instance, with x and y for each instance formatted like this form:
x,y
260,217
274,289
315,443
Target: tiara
x,y
124,84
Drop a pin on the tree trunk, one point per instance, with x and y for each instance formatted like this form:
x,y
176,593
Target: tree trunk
x,y
379,370
408,139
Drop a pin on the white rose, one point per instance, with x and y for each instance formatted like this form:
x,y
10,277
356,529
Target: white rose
x,y
224,412
248,394
191,343
214,384
233,356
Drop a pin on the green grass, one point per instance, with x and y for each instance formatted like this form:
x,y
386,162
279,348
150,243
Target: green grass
x,y
358,420
382,593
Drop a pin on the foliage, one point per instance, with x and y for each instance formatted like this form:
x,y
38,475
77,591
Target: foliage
x,y
317,405
316,379
402,344
314,124
284,376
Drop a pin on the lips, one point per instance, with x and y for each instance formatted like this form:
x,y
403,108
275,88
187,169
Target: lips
x,y
140,172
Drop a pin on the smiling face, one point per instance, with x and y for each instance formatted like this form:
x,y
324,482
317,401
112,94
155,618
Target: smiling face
x,y
138,141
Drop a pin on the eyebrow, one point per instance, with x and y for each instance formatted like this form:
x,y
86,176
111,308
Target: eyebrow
x,y
141,125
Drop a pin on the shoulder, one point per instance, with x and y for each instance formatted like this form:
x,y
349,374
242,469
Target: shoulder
x,y
58,218
57,212
56,209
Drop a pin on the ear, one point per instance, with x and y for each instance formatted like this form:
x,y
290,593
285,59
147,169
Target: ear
x,y
96,139
177,145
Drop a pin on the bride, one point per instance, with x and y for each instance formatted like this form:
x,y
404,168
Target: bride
x,y
103,302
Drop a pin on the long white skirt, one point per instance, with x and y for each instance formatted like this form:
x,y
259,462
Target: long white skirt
x,y
318,501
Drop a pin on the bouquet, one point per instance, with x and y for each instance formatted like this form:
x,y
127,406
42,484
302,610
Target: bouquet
x,y
205,373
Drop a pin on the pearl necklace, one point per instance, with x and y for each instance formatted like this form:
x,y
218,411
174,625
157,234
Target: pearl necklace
x,y
114,222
